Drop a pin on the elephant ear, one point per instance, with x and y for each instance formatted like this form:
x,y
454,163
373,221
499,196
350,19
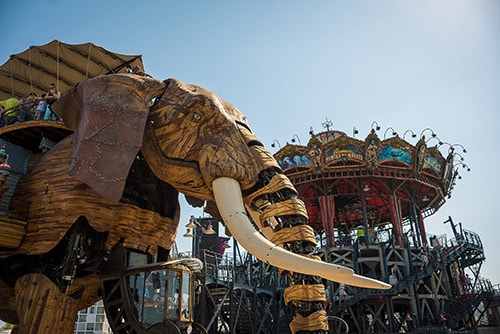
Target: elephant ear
x,y
108,115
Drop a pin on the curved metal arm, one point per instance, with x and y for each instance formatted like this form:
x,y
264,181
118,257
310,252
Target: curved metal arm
x,y
274,145
394,133
433,134
293,139
377,127
413,134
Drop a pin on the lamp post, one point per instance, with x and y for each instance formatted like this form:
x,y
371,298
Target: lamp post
x,y
197,229
204,232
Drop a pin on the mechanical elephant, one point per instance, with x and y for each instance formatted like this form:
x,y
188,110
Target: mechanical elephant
x,y
136,136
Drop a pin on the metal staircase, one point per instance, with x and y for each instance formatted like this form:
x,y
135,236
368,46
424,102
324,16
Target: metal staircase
x,y
460,310
466,250
237,296
453,253
234,308
240,294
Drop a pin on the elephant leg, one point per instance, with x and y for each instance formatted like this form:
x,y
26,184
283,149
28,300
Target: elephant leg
x,y
43,308
277,200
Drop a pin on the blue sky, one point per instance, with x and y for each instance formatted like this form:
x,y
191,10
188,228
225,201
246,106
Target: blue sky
x,y
289,65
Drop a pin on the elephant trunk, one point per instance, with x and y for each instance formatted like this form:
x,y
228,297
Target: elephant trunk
x,y
229,200
281,217
282,220
288,243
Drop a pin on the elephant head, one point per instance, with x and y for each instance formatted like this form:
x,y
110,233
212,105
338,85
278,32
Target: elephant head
x,y
202,146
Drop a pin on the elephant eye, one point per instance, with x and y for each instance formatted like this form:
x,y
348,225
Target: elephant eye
x,y
196,116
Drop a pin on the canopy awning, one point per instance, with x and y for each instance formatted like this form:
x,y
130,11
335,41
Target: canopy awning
x,y
63,64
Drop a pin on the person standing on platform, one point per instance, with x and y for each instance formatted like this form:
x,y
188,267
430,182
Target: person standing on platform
x,y
40,108
469,283
465,282
52,96
342,293
361,236
424,259
393,277
328,297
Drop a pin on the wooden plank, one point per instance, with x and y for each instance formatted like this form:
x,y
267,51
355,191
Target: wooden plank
x,y
42,308
57,200
11,232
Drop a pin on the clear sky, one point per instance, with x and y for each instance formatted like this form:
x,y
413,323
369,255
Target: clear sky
x,y
289,65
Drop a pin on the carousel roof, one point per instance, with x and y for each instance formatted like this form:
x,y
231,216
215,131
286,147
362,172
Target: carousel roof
x,y
371,178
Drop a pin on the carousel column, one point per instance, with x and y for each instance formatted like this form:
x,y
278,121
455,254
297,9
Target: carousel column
x,y
415,305
416,222
422,228
390,315
327,207
365,218
396,218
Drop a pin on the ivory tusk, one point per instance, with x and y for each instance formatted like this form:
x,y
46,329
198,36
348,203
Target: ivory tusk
x,y
227,193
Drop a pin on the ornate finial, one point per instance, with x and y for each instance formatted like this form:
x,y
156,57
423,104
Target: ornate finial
x,y
327,124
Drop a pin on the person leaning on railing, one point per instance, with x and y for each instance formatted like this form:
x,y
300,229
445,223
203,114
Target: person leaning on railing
x,y
26,105
8,110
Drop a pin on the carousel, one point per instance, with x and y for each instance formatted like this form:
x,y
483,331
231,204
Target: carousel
x,y
372,184
367,201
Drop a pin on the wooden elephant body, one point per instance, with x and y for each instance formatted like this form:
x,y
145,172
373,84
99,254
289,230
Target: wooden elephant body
x,y
145,219
137,143
57,200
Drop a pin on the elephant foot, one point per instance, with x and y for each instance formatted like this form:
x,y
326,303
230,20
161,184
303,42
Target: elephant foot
x,y
43,308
